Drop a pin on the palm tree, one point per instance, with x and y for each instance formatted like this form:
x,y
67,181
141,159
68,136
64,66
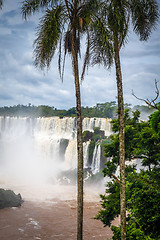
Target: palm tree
x,y
62,25
109,33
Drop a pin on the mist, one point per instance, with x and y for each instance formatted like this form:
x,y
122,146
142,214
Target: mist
x,y
35,152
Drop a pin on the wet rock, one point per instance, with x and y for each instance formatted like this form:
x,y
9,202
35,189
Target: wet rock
x,y
9,199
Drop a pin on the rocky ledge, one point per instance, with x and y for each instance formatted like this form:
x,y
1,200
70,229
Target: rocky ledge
x,y
9,199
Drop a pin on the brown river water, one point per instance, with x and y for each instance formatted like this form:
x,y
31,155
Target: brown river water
x,y
49,213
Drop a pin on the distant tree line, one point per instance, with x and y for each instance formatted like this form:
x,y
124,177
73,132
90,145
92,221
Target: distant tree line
x,y
100,110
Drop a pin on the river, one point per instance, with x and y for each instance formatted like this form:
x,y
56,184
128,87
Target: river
x,y
47,215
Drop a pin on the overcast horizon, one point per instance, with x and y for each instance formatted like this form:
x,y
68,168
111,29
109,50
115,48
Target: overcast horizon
x,y
22,83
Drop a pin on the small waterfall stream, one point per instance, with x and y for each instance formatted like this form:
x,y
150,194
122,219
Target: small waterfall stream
x,y
95,167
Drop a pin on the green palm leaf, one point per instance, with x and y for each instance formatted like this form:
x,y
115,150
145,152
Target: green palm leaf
x,y
145,15
101,44
48,35
29,7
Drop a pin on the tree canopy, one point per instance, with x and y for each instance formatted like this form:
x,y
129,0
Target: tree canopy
x,y
100,110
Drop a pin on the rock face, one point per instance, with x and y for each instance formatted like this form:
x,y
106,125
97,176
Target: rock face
x,y
9,199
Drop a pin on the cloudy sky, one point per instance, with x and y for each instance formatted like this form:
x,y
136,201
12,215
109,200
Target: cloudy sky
x,y
22,83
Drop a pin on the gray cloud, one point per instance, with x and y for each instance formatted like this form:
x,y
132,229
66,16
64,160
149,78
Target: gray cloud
x,y
21,83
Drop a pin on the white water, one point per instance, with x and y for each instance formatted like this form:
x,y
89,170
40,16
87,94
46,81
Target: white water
x,y
34,151
85,153
103,123
95,167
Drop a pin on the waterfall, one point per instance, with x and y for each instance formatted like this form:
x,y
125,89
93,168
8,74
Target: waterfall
x,y
85,153
95,167
39,148
103,123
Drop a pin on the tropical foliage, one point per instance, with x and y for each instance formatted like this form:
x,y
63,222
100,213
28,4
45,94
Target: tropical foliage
x,y
142,186
110,33
55,29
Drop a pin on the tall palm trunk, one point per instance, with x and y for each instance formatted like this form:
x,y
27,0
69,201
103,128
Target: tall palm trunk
x,y
79,143
121,139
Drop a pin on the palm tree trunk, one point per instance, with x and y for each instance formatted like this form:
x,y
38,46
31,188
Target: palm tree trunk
x,y
79,144
121,139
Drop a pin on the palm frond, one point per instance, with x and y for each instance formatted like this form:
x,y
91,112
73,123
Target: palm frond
x,y
101,44
29,7
78,43
67,48
145,15
64,61
67,42
59,57
117,13
86,12
86,58
48,36
123,35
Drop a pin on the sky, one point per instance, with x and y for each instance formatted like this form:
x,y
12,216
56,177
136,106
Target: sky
x,y
22,83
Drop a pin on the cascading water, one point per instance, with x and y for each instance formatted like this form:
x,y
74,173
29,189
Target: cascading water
x,y
95,167
37,149
102,123
85,153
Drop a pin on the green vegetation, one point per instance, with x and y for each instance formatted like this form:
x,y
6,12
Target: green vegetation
x,y
31,111
111,29
106,110
142,140
100,110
